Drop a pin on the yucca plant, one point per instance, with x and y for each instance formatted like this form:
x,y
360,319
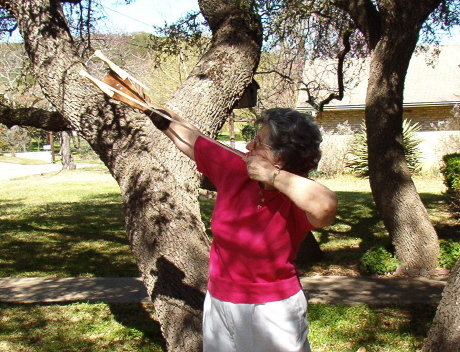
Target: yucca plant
x,y
411,142
358,154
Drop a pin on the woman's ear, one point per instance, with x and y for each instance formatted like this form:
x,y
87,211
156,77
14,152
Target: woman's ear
x,y
280,164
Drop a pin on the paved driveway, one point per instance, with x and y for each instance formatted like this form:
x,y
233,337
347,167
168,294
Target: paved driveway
x,y
9,171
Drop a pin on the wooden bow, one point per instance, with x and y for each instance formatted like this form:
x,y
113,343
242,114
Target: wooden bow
x,y
120,85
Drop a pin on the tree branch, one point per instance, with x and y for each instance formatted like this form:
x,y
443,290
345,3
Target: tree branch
x,y
47,120
340,85
365,16
341,57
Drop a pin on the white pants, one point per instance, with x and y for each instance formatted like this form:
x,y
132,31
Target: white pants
x,y
279,326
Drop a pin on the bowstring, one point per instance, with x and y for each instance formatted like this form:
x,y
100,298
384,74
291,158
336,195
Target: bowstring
x,y
145,104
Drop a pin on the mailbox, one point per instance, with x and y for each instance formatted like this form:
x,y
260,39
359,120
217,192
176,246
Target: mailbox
x,y
249,98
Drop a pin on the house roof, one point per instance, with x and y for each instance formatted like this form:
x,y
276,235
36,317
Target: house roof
x,y
435,83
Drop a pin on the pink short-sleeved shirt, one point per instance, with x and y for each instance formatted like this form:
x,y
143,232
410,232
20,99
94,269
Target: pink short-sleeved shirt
x,y
256,233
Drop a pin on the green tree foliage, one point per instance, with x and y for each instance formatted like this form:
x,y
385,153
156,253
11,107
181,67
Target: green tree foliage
x,y
38,137
411,141
8,23
248,132
187,35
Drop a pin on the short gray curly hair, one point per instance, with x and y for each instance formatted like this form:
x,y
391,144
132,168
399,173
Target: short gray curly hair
x,y
294,137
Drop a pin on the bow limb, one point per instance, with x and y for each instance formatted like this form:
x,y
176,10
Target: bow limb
x,y
115,87
119,71
126,97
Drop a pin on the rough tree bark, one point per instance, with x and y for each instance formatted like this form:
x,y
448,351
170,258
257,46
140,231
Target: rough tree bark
x,y
444,335
158,185
51,121
65,152
392,32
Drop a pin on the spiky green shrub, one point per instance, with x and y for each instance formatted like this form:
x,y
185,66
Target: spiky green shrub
x,y
358,153
411,142
358,161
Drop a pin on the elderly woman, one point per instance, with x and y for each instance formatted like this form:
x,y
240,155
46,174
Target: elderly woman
x,y
264,208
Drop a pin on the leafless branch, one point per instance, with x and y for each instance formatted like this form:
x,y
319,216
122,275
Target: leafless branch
x,y
48,120
341,59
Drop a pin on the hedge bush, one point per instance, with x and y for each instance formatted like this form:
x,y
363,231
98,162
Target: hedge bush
x,y
451,171
248,132
451,174
449,253
378,260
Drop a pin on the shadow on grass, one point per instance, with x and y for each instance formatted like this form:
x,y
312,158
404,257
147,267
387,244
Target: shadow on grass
x,y
356,217
80,327
445,230
138,316
448,231
87,238
396,328
65,239
358,227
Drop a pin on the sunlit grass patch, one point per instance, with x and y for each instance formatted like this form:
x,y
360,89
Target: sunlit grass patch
x,y
336,328
64,224
79,327
71,224
132,327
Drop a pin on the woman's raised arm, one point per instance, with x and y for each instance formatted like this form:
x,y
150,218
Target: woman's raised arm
x,y
183,134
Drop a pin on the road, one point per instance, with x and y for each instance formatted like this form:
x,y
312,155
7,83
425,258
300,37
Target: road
x,y
9,171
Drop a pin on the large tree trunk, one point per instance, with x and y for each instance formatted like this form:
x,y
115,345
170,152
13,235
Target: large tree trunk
x,y
66,153
444,335
391,31
158,184
392,34
309,251
395,195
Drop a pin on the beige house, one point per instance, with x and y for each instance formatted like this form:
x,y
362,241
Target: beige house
x,y
432,90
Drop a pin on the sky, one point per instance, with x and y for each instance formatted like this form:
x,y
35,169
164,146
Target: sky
x,y
141,15
454,40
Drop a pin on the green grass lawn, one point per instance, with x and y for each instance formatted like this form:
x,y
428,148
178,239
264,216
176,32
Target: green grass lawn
x,y
358,227
79,327
132,327
61,224
70,223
